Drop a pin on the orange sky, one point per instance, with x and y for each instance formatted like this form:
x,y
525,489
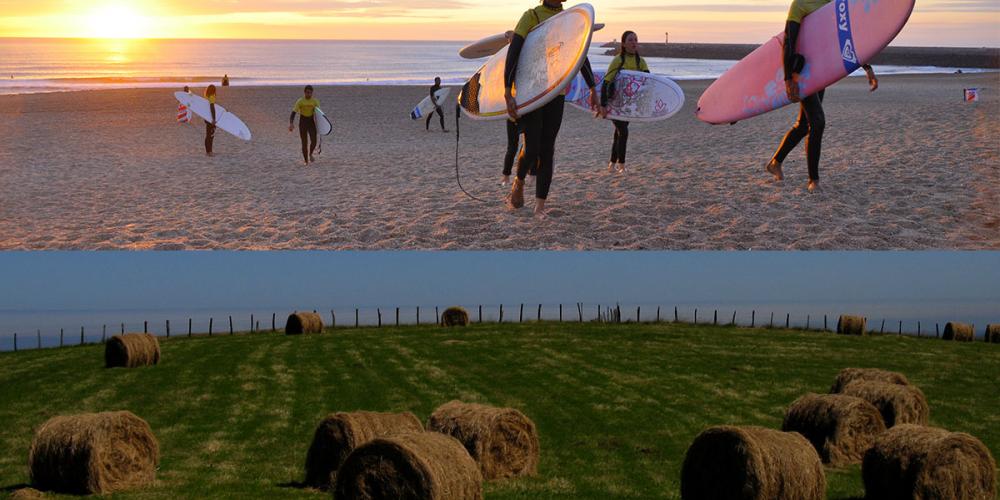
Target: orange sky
x,y
935,22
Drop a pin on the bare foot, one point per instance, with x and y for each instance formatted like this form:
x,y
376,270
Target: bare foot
x,y
540,209
774,168
505,181
622,169
611,167
813,186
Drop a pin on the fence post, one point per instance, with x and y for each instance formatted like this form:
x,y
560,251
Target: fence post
x,y
560,313
696,316
123,328
521,319
900,328
825,329
211,323
501,314
715,319
919,332
15,341
357,322
257,326
788,320
190,320
937,330
81,336
230,325
39,332
579,307
733,322
600,318
104,332
437,316
539,312
418,315
881,330
60,337
808,317
145,327
379,311
753,319
772,320
168,328
657,314
274,317
252,329
480,313
638,314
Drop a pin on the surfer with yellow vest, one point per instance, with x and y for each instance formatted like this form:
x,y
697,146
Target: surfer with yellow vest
x,y
305,107
812,120
628,59
210,125
540,127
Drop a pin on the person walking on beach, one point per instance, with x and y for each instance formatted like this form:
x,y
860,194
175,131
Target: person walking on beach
x,y
628,59
540,127
437,106
812,120
210,125
305,107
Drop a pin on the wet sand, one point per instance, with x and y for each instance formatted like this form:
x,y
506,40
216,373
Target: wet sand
x,y
909,167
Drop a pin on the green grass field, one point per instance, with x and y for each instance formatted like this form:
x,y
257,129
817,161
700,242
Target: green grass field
x,y
616,405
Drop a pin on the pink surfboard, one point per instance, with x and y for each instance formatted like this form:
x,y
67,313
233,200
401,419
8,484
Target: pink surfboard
x,y
835,41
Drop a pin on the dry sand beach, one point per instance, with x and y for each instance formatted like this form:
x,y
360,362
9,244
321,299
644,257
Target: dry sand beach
x,y
909,167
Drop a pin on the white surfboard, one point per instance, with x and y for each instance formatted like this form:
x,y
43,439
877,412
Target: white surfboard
x,y
639,97
223,118
426,106
551,57
492,44
323,125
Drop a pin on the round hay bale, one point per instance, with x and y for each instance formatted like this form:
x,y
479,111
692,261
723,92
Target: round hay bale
x,y
898,404
848,375
503,441
752,463
341,433
300,323
454,316
852,325
26,494
132,350
416,466
93,453
993,334
911,461
841,428
959,332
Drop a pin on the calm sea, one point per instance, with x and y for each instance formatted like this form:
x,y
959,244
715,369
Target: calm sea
x,y
54,65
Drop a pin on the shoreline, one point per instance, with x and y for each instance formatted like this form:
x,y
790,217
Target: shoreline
x,y
945,57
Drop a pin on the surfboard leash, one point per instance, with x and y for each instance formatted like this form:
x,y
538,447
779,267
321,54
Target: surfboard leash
x,y
458,140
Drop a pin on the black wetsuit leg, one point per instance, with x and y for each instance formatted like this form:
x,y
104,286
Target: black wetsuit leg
x,y
513,145
307,132
209,137
810,125
427,124
551,123
620,146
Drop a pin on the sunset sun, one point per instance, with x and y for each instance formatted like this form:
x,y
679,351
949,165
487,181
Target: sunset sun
x,y
117,21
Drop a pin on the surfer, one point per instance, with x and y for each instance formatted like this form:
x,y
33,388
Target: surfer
x,y
305,107
812,120
210,125
630,60
437,106
540,127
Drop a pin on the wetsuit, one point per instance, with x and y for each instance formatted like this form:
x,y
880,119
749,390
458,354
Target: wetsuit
x,y
619,148
540,127
812,119
209,127
513,146
437,108
306,108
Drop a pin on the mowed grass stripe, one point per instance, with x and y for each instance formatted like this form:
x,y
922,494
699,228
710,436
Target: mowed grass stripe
x,y
616,405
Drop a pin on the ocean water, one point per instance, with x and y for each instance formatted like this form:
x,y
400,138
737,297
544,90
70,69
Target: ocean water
x,y
56,65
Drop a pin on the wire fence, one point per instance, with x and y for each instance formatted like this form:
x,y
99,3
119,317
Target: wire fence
x,y
497,314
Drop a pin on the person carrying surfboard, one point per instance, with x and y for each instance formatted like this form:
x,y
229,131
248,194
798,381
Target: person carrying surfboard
x,y
210,94
540,127
305,107
437,106
628,59
812,120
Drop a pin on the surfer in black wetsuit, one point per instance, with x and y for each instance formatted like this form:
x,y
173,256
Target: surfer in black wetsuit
x,y
306,107
812,120
540,127
437,106
210,126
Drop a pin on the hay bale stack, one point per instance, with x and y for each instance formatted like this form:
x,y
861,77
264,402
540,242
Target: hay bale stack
x,y
752,463
303,322
852,325
93,453
993,334
455,316
341,433
424,465
841,428
848,375
898,404
911,461
959,332
503,441
132,350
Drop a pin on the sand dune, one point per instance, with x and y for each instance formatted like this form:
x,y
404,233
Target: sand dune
x,y
909,167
